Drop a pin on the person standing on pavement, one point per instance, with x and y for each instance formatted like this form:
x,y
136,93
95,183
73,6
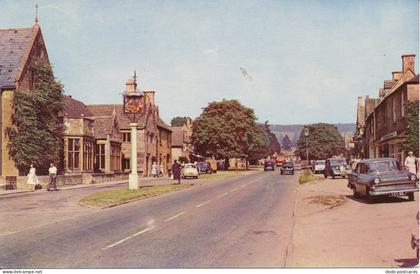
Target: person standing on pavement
x,y
169,167
410,163
32,179
177,171
52,173
161,170
154,169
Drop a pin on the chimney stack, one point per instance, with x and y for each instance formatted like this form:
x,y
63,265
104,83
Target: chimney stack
x,y
396,75
150,97
130,86
408,62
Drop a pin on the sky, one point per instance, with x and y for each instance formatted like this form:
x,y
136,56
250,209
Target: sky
x,y
293,62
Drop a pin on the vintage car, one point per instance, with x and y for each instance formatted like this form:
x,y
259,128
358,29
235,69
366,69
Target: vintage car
x,y
318,166
269,165
382,176
190,171
204,167
336,167
287,167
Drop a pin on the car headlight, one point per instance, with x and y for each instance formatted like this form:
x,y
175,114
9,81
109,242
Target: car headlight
x,y
413,177
376,181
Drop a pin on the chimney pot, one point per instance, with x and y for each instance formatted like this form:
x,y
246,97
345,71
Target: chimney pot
x,y
408,62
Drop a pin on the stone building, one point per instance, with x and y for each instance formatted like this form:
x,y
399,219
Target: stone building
x,y
21,50
181,142
384,126
153,135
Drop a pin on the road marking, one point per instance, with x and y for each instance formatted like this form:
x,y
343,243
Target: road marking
x,y
244,185
206,202
223,194
128,238
234,189
175,216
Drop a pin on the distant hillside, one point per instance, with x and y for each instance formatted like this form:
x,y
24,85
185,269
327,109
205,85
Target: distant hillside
x,y
293,131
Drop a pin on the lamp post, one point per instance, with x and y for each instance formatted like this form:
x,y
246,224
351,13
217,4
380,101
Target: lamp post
x,y
134,109
306,133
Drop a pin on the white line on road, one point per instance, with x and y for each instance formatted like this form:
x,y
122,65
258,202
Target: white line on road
x,y
234,189
244,185
128,238
175,216
206,202
223,194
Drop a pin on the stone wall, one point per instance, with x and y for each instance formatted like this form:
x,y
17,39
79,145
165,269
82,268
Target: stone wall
x,y
69,180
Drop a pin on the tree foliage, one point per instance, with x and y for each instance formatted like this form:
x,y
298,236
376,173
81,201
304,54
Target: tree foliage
x,y
412,121
287,144
324,141
35,136
178,121
227,129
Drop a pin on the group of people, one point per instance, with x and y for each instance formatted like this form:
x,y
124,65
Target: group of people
x,y
52,178
175,169
157,170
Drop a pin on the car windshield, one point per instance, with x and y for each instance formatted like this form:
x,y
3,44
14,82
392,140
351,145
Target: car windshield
x,y
288,165
190,166
320,162
384,166
338,162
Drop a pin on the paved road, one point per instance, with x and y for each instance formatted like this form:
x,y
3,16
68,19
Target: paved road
x,y
241,221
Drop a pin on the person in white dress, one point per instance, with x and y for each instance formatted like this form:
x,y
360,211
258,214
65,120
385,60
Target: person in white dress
x,y
154,169
32,179
410,163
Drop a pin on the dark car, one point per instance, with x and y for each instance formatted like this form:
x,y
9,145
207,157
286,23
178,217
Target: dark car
x,y
336,167
203,168
269,165
287,167
382,176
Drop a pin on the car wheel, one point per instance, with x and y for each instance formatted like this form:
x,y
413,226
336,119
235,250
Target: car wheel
x,y
325,175
411,196
333,176
281,172
368,197
293,173
344,177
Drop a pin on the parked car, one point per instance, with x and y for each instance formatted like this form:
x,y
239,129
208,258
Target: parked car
x,y
279,161
382,176
318,166
269,165
336,167
287,167
189,171
203,168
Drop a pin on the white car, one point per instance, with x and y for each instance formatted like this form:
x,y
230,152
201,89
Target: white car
x,y
190,170
319,166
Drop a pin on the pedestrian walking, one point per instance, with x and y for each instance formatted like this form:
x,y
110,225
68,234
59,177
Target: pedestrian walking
x,y
169,167
161,170
177,171
52,173
154,169
410,163
32,178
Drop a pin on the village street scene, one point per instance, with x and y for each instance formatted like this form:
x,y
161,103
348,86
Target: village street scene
x,y
209,134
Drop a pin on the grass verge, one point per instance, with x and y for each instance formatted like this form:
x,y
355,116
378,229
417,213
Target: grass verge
x,y
327,200
224,174
306,176
115,197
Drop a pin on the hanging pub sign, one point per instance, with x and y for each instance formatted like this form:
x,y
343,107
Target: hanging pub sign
x,y
133,103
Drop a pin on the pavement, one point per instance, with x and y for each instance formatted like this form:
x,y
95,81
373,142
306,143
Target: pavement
x,y
353,232
243,221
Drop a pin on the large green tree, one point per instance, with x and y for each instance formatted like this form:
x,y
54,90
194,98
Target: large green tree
x,y
35,136
178,121
227,129
412,120
324,141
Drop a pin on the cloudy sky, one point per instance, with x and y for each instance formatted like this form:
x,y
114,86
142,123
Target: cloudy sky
x,y
291,61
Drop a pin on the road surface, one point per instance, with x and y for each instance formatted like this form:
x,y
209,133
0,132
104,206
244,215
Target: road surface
x,y
242,221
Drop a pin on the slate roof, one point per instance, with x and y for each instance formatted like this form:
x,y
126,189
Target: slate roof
x,y
13,46
162,124
74,108
106,110
102,126
177,136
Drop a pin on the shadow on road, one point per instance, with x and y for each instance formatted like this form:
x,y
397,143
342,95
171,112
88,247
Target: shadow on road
x,y
407,262
380,199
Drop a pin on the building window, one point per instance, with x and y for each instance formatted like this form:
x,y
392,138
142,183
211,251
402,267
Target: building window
x,y
126,136
73,153
115,157
100,156
87,155
402,105
394,110
126,163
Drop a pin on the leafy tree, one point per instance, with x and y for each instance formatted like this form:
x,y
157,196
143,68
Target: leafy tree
x,y
412,120
36,134
178,121
287,144
227,129
324,141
